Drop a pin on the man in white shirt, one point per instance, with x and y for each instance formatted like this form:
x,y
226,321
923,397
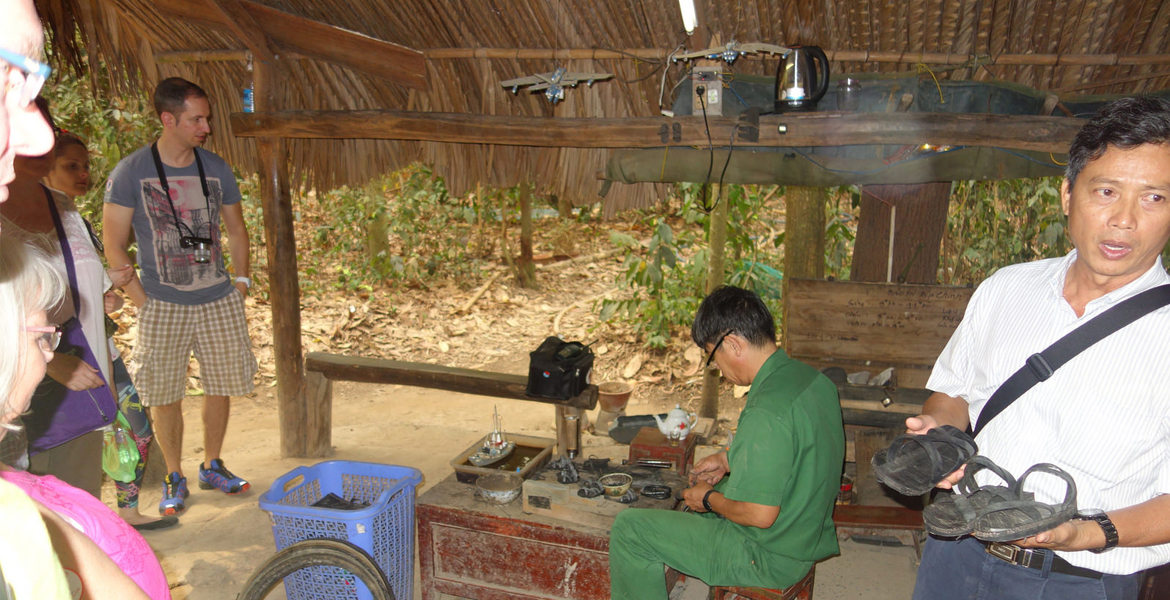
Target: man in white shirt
x,y
1104,417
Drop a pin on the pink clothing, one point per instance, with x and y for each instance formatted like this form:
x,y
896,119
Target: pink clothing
x,y
114,536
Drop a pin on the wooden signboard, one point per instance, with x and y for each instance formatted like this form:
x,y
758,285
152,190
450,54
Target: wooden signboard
x,y
872,326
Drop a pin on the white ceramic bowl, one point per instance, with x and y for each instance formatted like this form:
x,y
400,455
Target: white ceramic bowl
x,y
616,484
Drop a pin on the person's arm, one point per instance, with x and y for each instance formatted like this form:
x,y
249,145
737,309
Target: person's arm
x,y
101,579
237,232
748,514
1145,524
711,469
941,409
116,236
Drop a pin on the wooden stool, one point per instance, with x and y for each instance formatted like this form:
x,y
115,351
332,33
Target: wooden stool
x,y
650,443
801,590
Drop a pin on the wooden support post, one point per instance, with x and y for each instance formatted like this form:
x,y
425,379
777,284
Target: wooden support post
x,y
526,268
319,415
717,237
804,235
284,287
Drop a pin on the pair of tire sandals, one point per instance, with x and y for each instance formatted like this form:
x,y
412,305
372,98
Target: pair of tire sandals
x,y
914,464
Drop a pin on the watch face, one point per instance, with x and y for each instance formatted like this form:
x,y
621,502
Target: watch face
x,y
1089,513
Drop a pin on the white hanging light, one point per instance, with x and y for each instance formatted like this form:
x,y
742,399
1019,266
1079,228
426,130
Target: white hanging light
x,y
688,15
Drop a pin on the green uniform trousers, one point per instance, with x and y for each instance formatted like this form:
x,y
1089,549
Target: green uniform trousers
x,y
700,545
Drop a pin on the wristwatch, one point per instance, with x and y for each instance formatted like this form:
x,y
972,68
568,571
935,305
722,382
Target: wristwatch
x,y
1102,519
706,503
245,280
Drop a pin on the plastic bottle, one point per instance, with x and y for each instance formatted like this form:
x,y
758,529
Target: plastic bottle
x,y
249,105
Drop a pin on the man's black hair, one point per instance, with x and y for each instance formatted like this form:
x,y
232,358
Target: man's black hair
x,y
732,309
172,92
1125,123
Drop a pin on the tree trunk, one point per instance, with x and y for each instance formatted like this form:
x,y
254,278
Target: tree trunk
x,y
919,214
526,268
717,236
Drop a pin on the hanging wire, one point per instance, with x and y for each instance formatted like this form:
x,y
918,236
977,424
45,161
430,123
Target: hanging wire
x,y
922,67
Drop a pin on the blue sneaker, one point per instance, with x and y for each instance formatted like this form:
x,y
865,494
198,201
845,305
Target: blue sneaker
x,y
217,477
174,494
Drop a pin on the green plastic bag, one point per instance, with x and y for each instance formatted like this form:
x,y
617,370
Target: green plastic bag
x,y
120,452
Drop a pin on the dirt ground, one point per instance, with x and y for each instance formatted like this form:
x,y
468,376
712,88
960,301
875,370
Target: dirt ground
x,y
221,540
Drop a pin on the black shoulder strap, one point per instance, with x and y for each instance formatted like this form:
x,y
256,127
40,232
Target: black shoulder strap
x,y
1042,365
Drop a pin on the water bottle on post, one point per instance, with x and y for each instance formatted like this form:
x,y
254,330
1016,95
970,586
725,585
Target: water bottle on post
x,y
249,104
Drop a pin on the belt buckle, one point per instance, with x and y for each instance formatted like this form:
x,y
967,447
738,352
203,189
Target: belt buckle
x,y
1005,552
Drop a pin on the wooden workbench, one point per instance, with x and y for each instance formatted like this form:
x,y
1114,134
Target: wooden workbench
x,y
472,549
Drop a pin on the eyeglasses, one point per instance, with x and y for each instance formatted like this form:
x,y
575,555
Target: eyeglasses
x,y
711,356
35,74
50,336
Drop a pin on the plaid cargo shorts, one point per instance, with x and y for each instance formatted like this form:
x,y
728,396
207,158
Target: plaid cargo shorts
x,y
217,332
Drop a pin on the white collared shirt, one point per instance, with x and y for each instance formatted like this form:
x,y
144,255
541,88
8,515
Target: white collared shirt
x,y
1104,417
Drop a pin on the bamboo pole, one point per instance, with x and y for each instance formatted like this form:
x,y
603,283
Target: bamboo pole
x,y
859,56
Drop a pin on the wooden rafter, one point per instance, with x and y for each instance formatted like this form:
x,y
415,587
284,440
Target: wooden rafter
x,y
1023,132
313,39
240,21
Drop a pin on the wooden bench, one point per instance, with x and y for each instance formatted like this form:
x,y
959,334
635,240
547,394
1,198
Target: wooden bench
x,y
871,520
801,590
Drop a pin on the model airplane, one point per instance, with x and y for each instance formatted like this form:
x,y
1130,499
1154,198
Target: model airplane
x,y
733,50
554,84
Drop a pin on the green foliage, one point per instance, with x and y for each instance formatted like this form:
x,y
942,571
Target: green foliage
x,y
997,223
666,280
841,230
664,290
112,124
403,227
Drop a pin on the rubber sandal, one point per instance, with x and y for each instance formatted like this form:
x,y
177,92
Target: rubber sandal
x,y
954,514
1022,515
914,464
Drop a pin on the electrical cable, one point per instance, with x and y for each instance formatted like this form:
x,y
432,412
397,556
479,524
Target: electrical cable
x,y
662,85
699,90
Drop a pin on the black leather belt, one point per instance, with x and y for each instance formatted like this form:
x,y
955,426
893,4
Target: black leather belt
x,y
1033,558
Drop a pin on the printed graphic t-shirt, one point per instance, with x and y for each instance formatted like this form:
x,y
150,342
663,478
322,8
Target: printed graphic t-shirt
x,y
168,270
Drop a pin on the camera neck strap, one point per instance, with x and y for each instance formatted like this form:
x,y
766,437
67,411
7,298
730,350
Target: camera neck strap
x,y
162,179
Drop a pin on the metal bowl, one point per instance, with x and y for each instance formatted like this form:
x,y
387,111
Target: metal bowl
x,y
499,488
616,484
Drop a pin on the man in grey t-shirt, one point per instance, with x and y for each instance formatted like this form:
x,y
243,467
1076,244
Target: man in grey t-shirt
x,y
173,194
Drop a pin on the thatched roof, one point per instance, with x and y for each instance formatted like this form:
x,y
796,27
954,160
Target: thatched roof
x,y
135,37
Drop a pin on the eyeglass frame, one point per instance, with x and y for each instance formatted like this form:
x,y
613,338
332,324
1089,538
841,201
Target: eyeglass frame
x,y
54,340
35,74
711,356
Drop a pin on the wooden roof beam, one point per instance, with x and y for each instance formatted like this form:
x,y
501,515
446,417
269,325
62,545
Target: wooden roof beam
x,y
312,39
240,21
1023,132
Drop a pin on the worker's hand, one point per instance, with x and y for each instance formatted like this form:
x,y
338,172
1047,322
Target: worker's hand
x,y
121,275
243,288
919,426
73,373
711,469
693,496
1068,536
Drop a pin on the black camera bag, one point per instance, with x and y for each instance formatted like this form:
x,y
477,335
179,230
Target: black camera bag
x,y
558,369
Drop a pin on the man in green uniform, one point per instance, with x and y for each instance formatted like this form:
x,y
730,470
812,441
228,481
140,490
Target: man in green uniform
x,y
763,510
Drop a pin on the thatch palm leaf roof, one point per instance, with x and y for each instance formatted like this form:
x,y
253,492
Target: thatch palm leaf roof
x,y
134,37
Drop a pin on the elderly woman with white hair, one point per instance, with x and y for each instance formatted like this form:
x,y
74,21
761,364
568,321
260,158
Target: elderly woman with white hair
x,y
97,555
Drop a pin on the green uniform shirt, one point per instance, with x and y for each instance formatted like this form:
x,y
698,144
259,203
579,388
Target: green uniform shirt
x,y
788,451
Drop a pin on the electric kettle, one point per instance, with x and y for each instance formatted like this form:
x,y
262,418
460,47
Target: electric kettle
x,y
798,84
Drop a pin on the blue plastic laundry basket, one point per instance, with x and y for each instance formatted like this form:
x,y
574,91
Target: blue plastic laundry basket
x,y
384,529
